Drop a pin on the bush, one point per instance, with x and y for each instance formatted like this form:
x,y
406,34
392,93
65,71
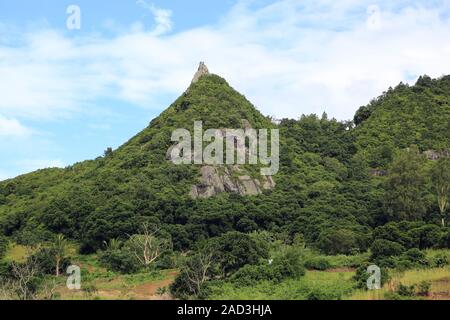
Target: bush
x,y
440,261
423,289
288,264
120,260
234,250
384,248
46,261
406,291
392,232
317,263
415,256
341,241
250,274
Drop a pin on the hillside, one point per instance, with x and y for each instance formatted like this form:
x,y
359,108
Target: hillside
x,y
404,116
323,191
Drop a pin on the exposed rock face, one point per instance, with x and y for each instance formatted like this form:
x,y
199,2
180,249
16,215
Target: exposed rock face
x,y
214,182
378,173
435,155
202,70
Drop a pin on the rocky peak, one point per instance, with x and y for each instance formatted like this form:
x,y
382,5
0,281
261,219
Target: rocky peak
x,y
202,70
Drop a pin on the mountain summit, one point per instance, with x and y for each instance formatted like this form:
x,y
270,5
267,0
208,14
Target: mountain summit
x,y
202,70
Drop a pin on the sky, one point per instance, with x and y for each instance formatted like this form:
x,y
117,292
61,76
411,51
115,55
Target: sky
x,y
70,88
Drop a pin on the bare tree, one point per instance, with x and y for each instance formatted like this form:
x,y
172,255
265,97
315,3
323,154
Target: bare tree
x,y
148,246
440,176
24,274
198,269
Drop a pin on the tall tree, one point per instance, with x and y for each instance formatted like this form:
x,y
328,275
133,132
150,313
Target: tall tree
x,y
440,176
405,185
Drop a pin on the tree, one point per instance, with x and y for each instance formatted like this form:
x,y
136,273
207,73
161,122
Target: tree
x,y
235,249
149,245
404,186
440,176
198,269
24,279
340,241
59,247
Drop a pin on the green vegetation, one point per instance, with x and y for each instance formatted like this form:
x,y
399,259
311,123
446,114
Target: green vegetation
x,y
348,194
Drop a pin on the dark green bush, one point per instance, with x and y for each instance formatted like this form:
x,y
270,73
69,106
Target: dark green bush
x,y
45,260
406,291
439,261
416,257
341,241
423,289
384,248
317,263
120,260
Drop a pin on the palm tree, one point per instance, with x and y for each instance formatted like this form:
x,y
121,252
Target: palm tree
x,y
59,247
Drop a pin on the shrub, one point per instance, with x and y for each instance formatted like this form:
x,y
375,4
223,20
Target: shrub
x,y
45,260
392,232
406,291
285,266
120,260
289,265
341,241
234,250
385,248
250,274
415,256
439,261
317,263
423,289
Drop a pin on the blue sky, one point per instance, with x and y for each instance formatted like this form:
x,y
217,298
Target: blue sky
x,y
67,95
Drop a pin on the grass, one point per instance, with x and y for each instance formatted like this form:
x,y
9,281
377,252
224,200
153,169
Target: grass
x,y
314,285
335,284
438,277
16,253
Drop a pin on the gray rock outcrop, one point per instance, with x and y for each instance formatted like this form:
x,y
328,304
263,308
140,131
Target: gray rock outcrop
x,y
202,70
218,179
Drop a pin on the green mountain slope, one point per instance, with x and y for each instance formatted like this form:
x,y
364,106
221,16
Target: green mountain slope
x,y
324,193
404,116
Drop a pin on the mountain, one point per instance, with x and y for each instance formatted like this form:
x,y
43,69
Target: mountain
x,y
404,116
323,193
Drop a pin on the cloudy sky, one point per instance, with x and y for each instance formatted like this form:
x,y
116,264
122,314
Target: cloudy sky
x,y
66,94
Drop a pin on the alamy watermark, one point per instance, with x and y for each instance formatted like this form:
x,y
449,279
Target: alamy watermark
x,y
74,20
249,146
374,281
74,280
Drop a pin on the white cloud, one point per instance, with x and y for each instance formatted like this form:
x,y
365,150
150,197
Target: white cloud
x,y
162,17
4,176
29,165
289,57
11,128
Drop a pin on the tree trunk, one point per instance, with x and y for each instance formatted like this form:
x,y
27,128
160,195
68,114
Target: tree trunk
x,y
57,267
443,221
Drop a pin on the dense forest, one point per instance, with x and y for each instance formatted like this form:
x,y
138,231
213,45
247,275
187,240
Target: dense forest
x,y
378,184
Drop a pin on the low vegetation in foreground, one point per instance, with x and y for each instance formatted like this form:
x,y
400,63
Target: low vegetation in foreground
x,y
236,266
